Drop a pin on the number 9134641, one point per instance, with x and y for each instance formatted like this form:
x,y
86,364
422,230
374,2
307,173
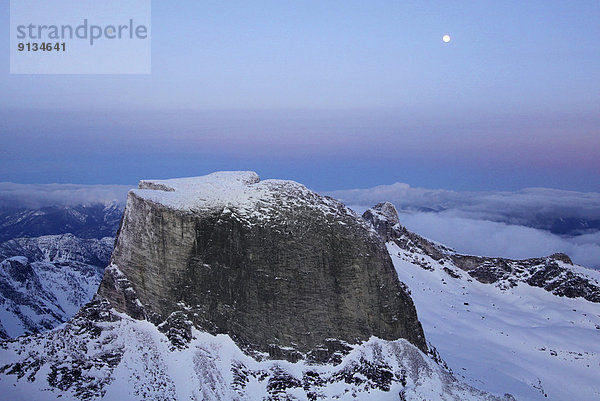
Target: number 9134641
x,y
44,46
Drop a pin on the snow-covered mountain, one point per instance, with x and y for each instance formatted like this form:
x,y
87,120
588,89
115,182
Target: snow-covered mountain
x,y
95,220
45,280
169,322
529,327
205,268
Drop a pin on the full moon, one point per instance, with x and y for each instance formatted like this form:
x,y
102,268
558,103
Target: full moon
x,y
446,38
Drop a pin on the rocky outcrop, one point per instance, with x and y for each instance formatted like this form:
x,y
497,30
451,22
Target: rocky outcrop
x,y
384,218
555,273
276,266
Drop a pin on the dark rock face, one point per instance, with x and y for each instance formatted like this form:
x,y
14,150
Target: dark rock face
x,y
552,278
116,287
543,272
274,265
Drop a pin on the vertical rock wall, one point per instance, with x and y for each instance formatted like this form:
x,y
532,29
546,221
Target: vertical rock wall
x,y
303,270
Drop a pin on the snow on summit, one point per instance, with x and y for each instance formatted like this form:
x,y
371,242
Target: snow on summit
x,y
240,190
206,192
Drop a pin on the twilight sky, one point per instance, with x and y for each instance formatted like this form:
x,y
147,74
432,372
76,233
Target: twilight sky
x,y
335,94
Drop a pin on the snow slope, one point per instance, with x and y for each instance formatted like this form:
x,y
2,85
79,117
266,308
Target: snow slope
x,y
102,354
520,339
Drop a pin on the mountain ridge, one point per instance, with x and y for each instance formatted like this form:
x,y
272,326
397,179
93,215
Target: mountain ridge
x,y
94,220
45,280
501,334
555,273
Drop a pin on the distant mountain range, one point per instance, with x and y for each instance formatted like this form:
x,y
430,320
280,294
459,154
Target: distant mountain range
x,y
45,279
83,221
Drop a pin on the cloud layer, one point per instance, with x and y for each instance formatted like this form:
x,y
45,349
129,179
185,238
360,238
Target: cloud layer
x,y
520,224
40,195
565,212
489,238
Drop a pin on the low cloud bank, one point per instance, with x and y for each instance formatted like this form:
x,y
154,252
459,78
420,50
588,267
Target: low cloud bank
x,y
549,209
40,195
489,238
528,223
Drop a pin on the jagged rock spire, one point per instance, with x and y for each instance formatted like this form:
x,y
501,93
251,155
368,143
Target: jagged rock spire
x,y
383,217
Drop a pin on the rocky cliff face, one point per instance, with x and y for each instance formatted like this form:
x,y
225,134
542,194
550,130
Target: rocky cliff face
x,y
279,268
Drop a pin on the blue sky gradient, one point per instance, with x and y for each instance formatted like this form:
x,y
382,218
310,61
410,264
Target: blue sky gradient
x,y
335,94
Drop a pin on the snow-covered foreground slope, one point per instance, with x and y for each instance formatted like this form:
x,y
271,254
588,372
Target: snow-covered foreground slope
x,y
521,339
530,327
104,354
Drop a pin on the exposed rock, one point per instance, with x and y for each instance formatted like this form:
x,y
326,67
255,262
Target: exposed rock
x,y
117,288
384,218
562,257
178,330
276,266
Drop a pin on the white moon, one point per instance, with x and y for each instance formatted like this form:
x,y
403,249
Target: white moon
x,y
446,38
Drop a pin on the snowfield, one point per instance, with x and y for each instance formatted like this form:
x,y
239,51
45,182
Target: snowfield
x,y
523,340
102,354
